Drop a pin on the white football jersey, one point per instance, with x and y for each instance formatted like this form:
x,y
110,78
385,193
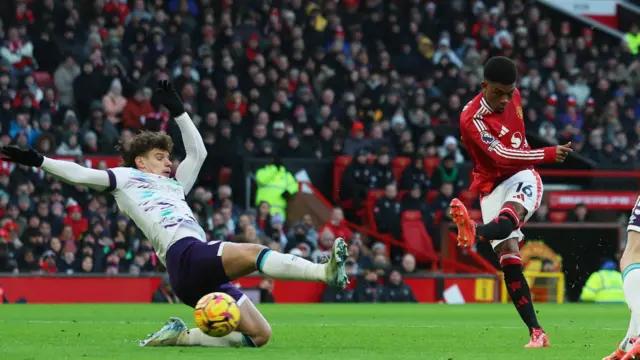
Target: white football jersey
x,y
156,204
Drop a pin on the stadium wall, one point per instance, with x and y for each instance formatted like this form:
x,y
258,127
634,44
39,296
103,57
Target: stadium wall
x,y
122,289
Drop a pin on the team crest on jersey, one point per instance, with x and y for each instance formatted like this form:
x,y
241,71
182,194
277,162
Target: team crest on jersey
x,y
516,140
486,137
519,112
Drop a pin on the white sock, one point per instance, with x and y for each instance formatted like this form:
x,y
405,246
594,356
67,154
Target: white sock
x,y
195,337
291,267
632,296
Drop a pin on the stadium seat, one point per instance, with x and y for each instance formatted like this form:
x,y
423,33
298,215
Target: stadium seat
x,y
467,197
402,194
225,176
430,164
415,236
43,78
339,167
432,195
398,165
557,216
437,217
370,217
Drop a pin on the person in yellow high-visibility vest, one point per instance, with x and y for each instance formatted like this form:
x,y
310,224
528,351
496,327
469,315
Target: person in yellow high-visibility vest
x,y
633,39
275,186
604,285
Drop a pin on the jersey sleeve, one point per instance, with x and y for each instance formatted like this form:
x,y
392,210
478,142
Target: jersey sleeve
x,y
474,130
118,178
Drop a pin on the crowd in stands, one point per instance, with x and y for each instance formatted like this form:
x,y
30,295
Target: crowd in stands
x,y
293,78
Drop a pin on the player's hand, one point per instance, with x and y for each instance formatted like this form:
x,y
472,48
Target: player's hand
x,y
20,156
166,95
563,151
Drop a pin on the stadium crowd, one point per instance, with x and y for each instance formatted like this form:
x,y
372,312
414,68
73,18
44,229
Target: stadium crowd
x,y
292,78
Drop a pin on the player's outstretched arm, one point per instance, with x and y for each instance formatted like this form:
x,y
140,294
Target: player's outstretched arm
x,y
187,172
475,130
67,171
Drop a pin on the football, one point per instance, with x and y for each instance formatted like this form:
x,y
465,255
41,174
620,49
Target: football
x,y
217,314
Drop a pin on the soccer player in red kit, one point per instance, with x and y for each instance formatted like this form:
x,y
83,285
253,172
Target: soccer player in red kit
x,y
492,129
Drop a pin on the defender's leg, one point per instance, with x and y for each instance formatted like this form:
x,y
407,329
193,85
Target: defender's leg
x,y
243,259
630,267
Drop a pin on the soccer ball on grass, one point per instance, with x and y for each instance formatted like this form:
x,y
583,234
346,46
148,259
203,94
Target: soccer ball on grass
x,y
217,314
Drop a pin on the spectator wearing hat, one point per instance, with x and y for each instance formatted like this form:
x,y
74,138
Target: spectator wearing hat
x,y
70,146
356,141
48,262
76,221
277,233
450,147
67,263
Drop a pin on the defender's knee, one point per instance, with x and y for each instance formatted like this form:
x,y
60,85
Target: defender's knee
x,y
262,338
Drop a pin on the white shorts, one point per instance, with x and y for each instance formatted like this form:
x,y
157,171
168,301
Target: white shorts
x,y
524,188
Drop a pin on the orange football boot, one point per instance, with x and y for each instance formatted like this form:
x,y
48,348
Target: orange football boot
x,y
538,339
617,355
634,353
466,226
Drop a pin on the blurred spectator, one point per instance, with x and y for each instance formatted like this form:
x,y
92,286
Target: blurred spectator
x,y
396,290
579,214
275,186
415,200
164,293
382,174
408,264
542,214
114,103
415,174
337,225
447,172
266,291
387,211
357,179
368,290
450,148
63,79
136,110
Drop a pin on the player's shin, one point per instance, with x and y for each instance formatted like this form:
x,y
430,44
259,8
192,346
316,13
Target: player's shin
x,y
500,227
518,288
630,280
195,337
286,266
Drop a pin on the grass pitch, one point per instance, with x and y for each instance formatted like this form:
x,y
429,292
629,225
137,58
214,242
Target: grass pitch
x,y
327,332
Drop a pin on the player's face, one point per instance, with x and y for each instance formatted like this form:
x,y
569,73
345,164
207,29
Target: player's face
x,y
156,162
498,95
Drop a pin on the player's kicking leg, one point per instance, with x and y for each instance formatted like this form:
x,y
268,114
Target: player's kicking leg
x,y
237,260
629,348
504,226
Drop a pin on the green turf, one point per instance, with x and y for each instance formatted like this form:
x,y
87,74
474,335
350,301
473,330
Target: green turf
x,y
328,332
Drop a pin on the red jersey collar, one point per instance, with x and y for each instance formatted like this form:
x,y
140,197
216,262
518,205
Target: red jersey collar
x,y
485,105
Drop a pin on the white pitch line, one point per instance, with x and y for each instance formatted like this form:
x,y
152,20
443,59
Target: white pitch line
x,y
416,326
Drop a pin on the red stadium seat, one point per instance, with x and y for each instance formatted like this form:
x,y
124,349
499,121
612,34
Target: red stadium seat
x,y
437,217
432,195
557,216
467,197
369,215
225,176
42,78
416,237
430,164
398,165
402,194
339,167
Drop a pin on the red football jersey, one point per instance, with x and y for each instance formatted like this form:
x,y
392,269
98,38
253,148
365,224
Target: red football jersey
x,y
497,143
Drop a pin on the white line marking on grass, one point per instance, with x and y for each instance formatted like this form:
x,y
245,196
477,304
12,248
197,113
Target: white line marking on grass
x,y
416,326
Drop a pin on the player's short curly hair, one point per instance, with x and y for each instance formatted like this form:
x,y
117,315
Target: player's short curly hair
x,y
501,70
142,143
